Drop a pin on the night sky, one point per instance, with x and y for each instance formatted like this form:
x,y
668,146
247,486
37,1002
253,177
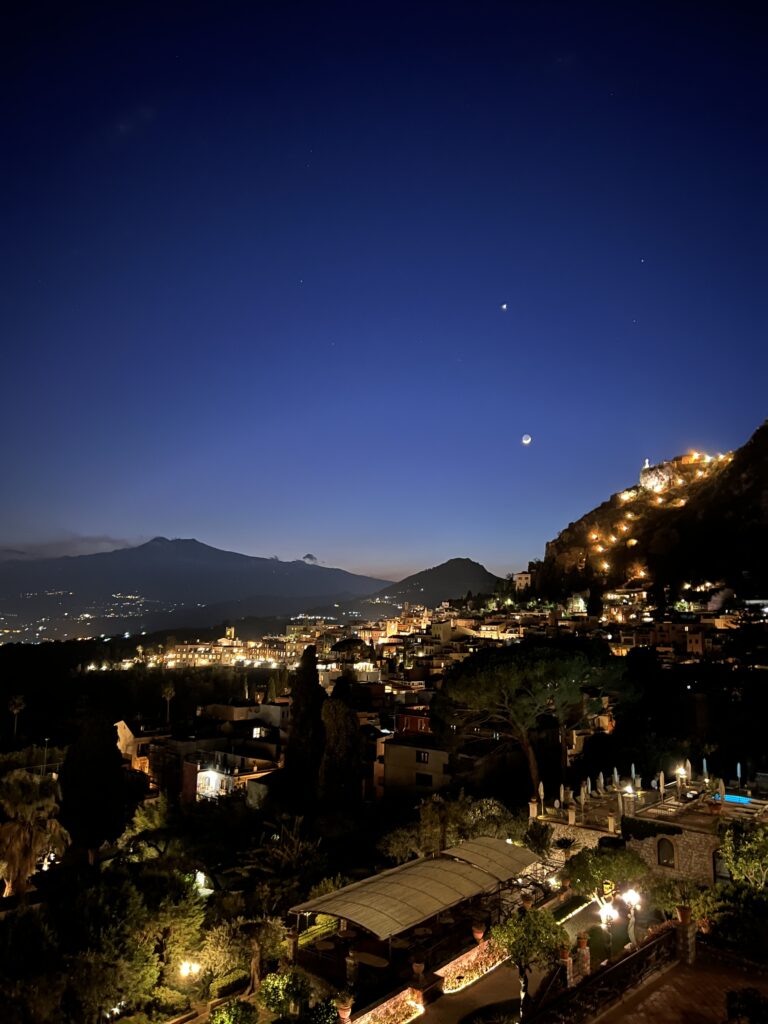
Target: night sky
x,y
254,257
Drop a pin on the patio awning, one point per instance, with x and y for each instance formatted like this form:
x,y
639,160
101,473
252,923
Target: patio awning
x,y
396,900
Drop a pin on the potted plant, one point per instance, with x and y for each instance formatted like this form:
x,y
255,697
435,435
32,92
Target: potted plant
x,y
478,930
343,1002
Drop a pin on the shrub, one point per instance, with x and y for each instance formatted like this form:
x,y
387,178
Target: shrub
x,y
231,982
322,1013
739,919
283,989
169,1000
236,1011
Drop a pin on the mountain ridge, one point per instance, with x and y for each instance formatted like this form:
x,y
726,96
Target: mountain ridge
x,y
690,519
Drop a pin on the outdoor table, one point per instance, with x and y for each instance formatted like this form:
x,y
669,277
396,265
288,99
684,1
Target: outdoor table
x,y
324,946
422,931
347,933
400,944
371,960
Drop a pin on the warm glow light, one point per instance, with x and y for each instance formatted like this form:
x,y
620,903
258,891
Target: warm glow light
x,y
631,897
188,967
631,542
608,914
659,501
606,566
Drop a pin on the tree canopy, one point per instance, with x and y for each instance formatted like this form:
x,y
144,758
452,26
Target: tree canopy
x,y
598,871
530,939
745,851
304,749
30,829
509,693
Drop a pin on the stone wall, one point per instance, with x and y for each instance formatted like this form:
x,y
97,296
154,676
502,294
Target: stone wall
x,y
586,838
694,855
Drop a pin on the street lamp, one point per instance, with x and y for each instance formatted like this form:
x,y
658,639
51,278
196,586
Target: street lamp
x,y
188,968
608,914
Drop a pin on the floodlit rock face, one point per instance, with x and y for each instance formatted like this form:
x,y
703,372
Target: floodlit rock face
x,y
658,478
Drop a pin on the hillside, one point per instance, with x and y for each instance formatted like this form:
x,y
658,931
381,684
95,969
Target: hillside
x,y
441,583
695,518
430,587
137,588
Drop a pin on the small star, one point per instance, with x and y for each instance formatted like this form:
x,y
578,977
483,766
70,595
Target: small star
x,y
504,307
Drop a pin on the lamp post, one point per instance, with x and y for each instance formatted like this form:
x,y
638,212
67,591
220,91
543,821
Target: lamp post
x,y
632,898
608,914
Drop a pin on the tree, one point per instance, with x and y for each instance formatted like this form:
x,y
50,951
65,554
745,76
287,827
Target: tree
x,y
454,821
512,691
304,749
169,692
152,827
529,939
93,790
596,872
16,705
107,945
176,913
30,830
745,851
340,768
226,946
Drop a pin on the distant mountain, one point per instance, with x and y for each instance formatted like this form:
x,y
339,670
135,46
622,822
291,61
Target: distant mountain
x,y
430,587
448,580
695,518
193,581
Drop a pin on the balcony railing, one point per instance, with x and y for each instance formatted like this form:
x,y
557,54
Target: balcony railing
x,y
601,990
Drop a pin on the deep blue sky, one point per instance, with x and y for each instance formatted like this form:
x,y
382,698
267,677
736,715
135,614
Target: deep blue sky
x,y
253,257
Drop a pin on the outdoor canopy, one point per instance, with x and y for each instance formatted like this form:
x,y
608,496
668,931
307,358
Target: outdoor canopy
x,y
396,900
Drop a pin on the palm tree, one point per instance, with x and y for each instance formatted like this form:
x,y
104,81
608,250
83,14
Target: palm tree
x,y
169,692
30,829
16,705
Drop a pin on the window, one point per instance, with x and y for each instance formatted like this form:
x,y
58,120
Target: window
x,y
422,757
720,868
666,853
423,779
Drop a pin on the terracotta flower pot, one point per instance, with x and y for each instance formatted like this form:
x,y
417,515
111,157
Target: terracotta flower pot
x,y
417,968
478,931
684,915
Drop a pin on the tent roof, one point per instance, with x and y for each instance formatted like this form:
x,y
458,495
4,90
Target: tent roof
x,y
395,900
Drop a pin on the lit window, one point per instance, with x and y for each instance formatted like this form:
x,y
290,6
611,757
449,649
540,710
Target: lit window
x,y
422,756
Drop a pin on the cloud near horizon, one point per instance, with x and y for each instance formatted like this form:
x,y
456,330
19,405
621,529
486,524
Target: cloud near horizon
x,y
70,544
